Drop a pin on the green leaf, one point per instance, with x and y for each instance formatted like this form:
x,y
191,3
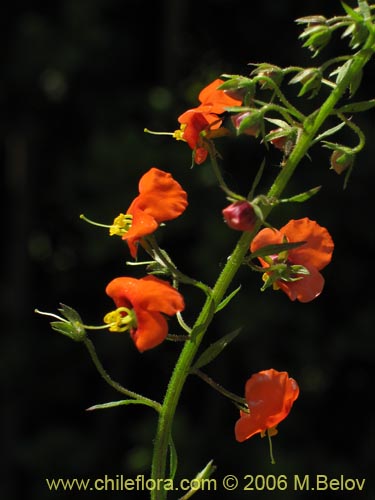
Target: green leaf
x,y
351,12
173,459
299,198
215,349
257,179
279,123
357,107
275,249
114,404
227,299
203,475
355,82
198,329
329,132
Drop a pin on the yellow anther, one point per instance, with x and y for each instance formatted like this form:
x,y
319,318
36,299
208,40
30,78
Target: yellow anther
x,y
121,225
120,320
179,134
266,277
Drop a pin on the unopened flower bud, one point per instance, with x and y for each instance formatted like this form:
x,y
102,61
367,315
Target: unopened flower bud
x,y
240,215
238,94
248,122
283,139
269,72
279,142
341,161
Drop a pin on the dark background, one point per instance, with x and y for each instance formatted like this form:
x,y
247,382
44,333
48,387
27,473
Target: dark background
x,y
79,82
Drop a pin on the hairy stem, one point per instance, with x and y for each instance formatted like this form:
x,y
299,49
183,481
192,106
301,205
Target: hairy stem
x,y
312,124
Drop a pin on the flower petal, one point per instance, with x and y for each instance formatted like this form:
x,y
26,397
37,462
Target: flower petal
x,y
150,298
270,395
217,99
158,295
160,196
248,425
307,288
317,251
266,237
152,328
142,225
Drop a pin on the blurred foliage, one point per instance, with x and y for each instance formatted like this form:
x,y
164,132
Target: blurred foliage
x,y
79,82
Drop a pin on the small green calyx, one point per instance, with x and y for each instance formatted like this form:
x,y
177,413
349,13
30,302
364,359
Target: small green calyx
x,y
283,272
70,324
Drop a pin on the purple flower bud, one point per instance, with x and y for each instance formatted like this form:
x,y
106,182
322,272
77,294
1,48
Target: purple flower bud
x,y
240,215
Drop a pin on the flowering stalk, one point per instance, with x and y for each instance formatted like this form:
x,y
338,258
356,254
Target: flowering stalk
x,y
118,387
311,126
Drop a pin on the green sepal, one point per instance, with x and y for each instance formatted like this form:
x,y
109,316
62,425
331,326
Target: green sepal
x,y
70,314
238,109
267,70
227,299
214,350
343,70
317,38
236,82
114,404
358,33
71,330
311,80
253,119
239,83
300,198
314,19
275,249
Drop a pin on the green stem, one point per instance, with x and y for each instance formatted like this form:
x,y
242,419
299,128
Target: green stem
x,y
216,169
219,388
311,126
151,246
118,387
356,130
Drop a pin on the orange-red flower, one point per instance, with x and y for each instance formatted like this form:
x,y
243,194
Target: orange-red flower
x,y
161,198
270,396
204,118
313,255
141,308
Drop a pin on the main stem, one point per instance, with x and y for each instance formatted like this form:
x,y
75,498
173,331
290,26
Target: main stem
x,y
311,126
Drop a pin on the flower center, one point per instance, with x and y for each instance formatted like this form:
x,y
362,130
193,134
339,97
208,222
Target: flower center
x,y
179,134
121,320
121,225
